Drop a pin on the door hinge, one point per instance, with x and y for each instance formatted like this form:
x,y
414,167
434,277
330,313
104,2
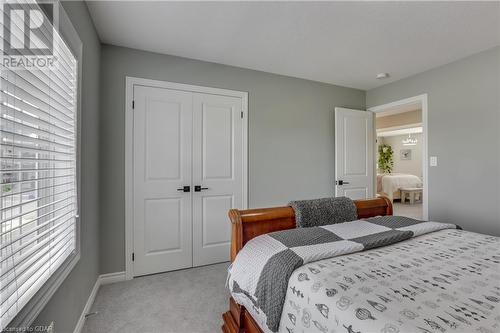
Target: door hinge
x,y
133,256
133,104
241,114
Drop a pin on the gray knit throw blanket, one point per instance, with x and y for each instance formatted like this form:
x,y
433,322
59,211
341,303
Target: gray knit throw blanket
x,y
318,212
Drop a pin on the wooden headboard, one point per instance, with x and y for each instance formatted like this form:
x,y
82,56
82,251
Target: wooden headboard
x,y
250,223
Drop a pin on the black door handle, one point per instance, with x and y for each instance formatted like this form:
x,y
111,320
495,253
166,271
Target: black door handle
x,y
341,182
198,188
184,189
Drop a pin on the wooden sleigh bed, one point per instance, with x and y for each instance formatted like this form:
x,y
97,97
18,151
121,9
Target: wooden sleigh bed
x,y
247,224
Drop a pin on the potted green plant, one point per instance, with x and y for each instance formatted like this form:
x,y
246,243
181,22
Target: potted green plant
x,y
385,158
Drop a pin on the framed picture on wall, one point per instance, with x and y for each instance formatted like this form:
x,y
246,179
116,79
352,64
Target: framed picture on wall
x,y
405,154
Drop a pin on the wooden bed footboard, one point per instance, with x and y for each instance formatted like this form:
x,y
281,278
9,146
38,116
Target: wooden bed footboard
x,y
248,224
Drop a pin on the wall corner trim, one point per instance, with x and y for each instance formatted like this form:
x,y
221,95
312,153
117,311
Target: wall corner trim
x,y
101,280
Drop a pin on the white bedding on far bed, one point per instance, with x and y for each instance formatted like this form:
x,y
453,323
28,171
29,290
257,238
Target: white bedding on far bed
x,y
389,184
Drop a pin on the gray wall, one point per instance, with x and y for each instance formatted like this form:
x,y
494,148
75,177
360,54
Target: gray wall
x,y
291,138
67,304
464,133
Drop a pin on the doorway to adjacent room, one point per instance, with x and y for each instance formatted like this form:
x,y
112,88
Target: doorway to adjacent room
x,y
401,170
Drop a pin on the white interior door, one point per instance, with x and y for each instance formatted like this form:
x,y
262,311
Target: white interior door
x,y
218,171
354,146
162,152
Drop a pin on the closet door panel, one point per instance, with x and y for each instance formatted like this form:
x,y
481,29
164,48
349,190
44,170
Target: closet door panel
x,y
217,169
162,166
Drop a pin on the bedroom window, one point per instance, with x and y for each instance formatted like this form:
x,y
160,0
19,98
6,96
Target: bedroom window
x,y
38,155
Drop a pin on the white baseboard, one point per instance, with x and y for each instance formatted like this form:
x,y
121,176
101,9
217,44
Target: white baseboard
x,y
88,305
101,280
112,277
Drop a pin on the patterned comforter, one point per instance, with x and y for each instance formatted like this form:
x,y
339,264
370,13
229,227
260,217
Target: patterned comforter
x,y
441,281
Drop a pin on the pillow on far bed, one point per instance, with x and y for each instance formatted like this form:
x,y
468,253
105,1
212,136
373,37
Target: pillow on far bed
x,y
318,212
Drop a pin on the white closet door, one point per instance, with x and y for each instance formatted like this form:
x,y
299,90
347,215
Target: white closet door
x,y
218,170
162,165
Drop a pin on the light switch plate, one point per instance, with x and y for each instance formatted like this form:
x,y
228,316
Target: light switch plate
x,y
434,161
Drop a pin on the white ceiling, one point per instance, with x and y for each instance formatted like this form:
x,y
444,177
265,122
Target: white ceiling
x,y
344,43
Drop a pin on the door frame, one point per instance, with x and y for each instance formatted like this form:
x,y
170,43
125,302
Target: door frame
x,y
130,82
422,99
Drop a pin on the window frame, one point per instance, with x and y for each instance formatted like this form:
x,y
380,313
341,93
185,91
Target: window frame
x,y
34,307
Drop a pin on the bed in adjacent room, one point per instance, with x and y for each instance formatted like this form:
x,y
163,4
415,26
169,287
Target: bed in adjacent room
x,y
389,184
377,273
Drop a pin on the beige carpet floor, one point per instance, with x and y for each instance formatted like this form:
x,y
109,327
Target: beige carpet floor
x,y
185,301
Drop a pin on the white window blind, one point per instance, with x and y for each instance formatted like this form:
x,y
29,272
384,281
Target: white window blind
x,y
38,151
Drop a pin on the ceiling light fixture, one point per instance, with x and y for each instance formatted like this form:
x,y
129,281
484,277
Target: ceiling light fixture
x,y
381,76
